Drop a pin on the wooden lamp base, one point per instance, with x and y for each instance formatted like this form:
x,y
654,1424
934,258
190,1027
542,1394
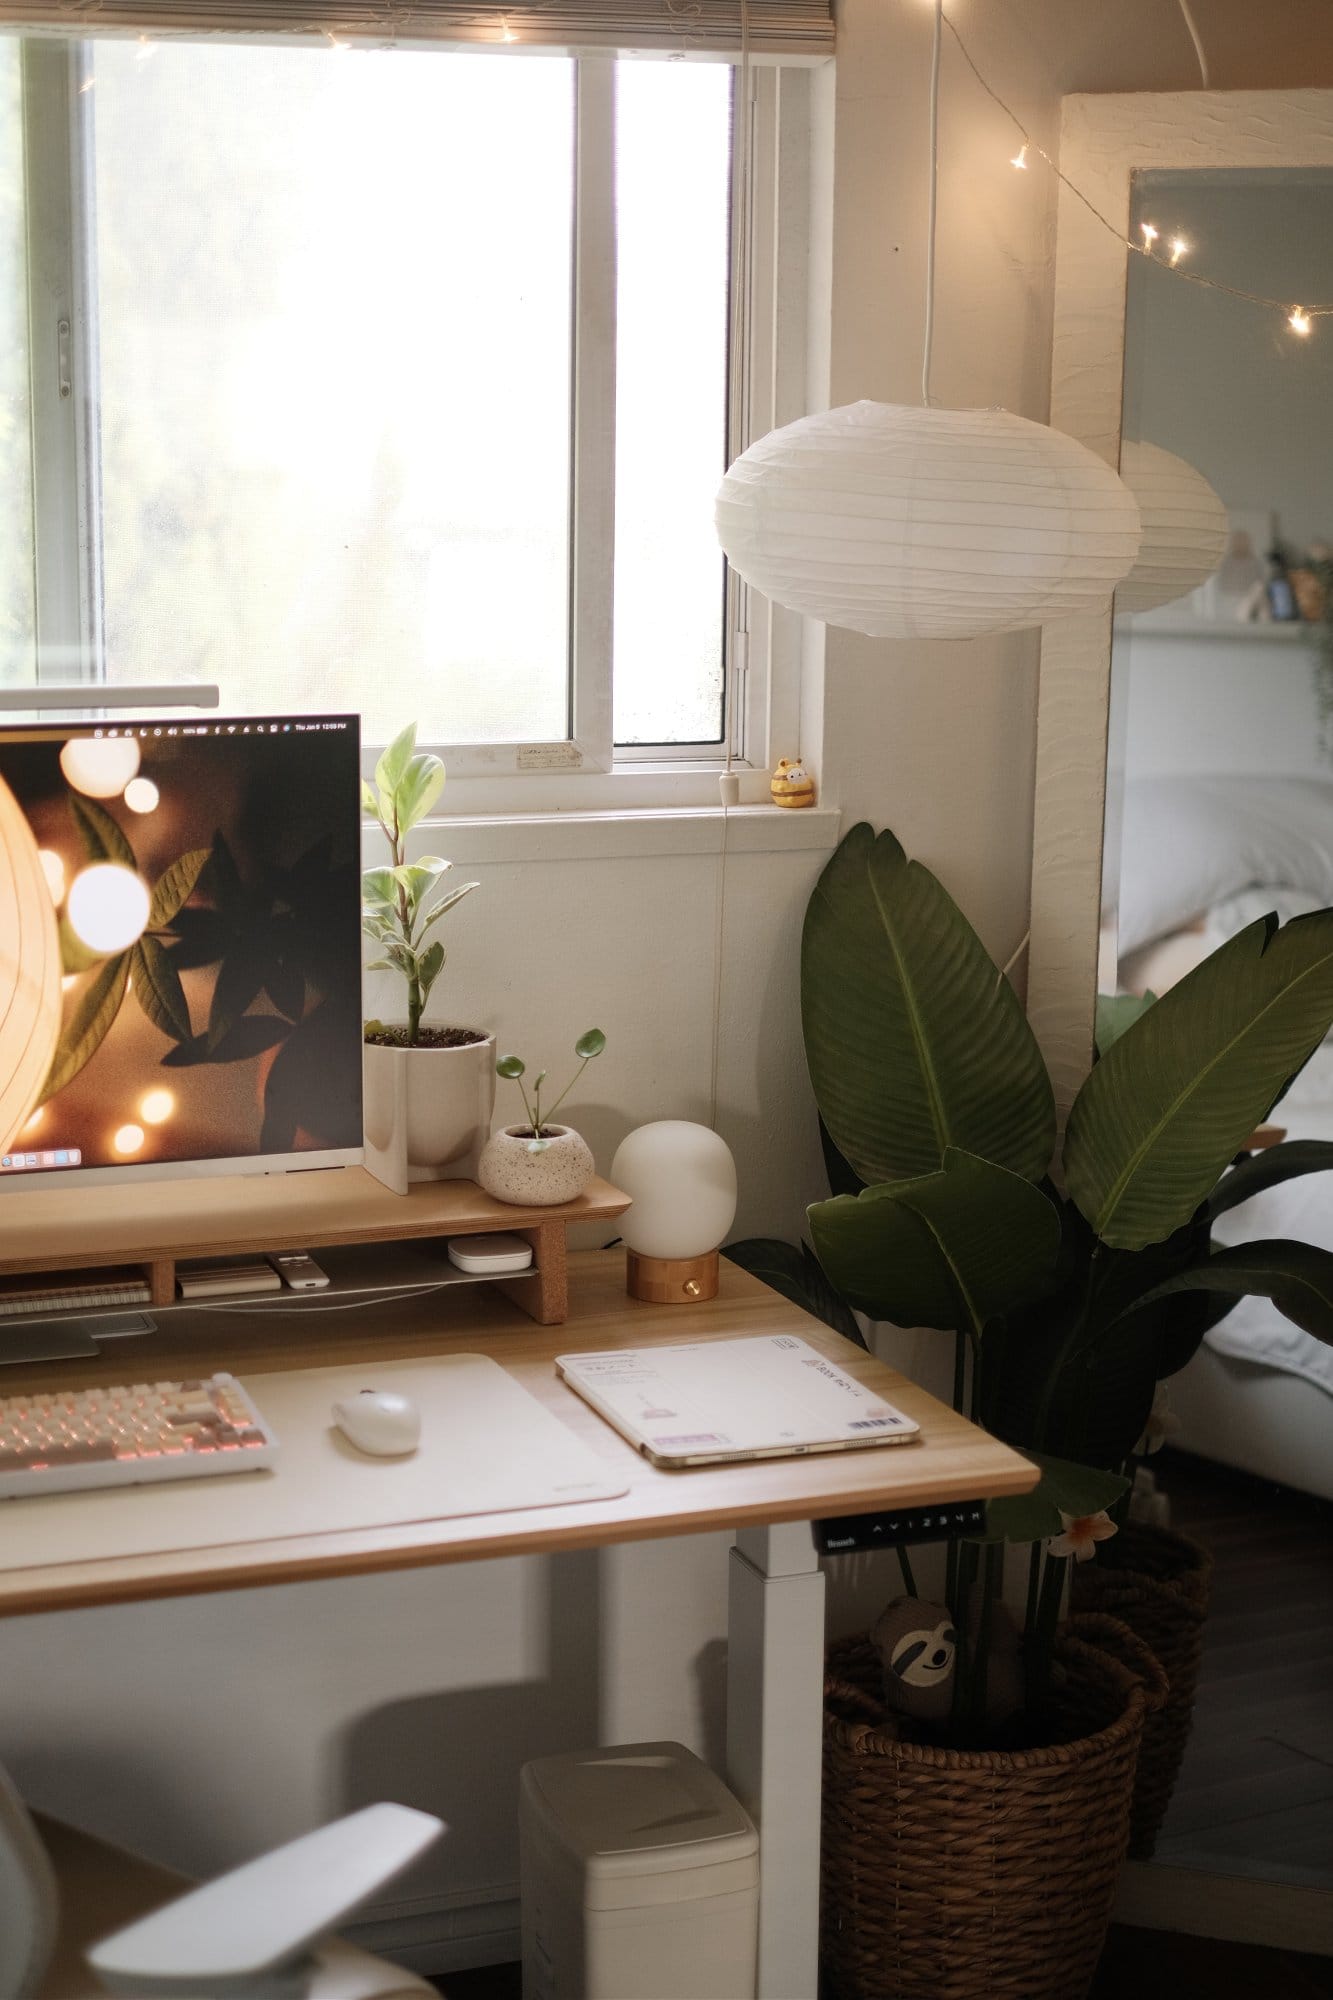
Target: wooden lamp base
x,y
671,1281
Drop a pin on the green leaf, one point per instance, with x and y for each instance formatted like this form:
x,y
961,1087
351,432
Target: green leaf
x,y
429,964
1064,1488
369,800
1295,1276
590,1044
1115,1013
417,790
793,1270
434,914
951,1249
89,1024
158,989
395,759
174,888
511,1066
379,889
1260,1171
914,1041
101,837
377,965
1173,1101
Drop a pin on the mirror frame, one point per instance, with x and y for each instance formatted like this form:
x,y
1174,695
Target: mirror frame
x,y
1104,143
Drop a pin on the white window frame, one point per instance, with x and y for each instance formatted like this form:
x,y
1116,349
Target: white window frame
x,y
586,771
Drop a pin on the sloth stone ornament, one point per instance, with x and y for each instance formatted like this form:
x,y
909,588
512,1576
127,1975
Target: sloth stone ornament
x,y
917,1644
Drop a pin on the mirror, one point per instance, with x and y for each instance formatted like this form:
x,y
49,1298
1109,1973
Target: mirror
x,y
1219,807
1205,733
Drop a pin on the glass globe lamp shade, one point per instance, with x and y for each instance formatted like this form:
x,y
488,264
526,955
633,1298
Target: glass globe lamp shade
x,y
681,1179
930,524
29,971
1184,527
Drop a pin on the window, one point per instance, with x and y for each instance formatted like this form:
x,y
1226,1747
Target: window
x,y
388,380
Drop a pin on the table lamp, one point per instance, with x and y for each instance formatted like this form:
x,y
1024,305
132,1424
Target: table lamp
x,y
681,1179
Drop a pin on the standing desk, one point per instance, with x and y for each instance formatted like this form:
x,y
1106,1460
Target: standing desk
x,y
776,1595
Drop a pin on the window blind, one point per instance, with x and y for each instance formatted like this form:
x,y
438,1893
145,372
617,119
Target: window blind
x,y
682,27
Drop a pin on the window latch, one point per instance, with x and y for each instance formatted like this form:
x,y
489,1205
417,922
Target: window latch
x,y
62,359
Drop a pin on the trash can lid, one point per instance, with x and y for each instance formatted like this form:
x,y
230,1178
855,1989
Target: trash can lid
x,y
637,1806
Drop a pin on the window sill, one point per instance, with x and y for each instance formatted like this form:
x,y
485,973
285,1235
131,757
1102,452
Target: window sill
x,y
476,839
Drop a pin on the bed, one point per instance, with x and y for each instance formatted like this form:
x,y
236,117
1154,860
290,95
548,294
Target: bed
x,y
1201,857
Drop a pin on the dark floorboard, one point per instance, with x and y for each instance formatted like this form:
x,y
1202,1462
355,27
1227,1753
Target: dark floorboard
x,y
1256,1786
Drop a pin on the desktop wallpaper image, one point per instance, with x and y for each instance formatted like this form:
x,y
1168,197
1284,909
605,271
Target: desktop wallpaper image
x,y
206,880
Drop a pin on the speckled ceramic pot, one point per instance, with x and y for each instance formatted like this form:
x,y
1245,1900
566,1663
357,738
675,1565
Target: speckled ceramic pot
x,y
561,1170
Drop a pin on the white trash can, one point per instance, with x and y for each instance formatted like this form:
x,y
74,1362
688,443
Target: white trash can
x,y
640,1878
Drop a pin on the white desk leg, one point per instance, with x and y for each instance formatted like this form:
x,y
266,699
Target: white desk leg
x,y
775,1678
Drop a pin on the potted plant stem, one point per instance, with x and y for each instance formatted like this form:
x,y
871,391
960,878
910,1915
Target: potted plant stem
x,y
540,1163
1067,1304
429,1091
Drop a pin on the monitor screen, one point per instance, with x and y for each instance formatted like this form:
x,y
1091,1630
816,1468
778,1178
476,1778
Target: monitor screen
x,y
188,997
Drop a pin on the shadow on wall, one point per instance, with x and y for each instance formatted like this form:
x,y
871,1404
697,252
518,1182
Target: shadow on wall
x,y
458,1753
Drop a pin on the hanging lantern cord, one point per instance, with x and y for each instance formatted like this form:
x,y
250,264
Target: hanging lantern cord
x,y
934,201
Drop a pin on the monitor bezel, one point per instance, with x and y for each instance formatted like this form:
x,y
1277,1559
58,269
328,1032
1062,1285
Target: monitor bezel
x,y
250,1166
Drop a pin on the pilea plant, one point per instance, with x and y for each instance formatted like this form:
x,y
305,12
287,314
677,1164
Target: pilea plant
x,y
589,1044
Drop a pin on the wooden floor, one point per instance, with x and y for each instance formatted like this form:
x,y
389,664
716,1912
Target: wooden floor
x,y
1255,1793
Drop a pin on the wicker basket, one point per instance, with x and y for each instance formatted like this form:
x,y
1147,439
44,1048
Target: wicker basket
x,y
1157,1583
974,1875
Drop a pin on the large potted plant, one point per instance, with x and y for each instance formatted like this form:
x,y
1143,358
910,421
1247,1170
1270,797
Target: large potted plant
x,y
979,1856
429,1091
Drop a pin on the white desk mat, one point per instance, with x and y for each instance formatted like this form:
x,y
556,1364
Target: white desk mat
x,y
487,1447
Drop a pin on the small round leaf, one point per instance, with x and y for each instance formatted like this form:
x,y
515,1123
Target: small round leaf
x,y
590,1044
512,1066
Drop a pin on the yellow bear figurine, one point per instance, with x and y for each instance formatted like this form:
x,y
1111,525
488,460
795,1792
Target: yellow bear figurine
x,y
791,784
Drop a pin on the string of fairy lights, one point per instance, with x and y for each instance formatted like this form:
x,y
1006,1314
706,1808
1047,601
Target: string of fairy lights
x,y
1174,248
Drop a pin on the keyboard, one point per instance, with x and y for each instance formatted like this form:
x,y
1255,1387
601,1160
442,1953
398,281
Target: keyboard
x,y
65,1440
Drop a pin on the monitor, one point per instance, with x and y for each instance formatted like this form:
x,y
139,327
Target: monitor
x,y
187,998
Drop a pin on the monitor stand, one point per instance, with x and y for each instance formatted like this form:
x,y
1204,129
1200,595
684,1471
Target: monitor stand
x,y
67,1336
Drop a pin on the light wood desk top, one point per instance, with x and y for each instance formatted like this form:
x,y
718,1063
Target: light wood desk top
x,y
954,1461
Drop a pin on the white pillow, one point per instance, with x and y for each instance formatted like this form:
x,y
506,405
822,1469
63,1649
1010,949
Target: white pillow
x,y
1190,843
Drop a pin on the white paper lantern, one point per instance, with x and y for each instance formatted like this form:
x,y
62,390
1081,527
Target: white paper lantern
x,y
1184,527
29,970
920,523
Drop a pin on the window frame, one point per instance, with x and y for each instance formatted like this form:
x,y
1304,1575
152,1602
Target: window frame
x,y
586,770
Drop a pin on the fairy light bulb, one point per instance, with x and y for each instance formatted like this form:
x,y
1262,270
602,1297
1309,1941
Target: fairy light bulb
x,y
1179,249
1299,320
1150,234
1020,158
506,32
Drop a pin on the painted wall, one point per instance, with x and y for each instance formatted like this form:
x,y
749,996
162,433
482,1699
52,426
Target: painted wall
x,y
207,1728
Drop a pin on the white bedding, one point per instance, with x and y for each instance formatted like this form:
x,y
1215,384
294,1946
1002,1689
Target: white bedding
x,y
1255,1330
1192,842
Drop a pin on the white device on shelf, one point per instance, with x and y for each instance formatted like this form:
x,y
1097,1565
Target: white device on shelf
x,y
60,1440
498,1256
298,1270
248,1932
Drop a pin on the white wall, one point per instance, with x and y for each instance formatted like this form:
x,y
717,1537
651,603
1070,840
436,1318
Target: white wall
x,y
207,1727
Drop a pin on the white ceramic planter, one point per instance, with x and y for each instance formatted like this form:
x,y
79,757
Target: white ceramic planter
x,y
427,1111
559,1172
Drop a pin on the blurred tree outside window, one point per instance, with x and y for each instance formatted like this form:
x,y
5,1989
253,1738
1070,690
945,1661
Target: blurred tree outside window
x,y
333,373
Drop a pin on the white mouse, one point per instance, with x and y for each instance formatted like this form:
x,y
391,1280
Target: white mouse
x,y
380,1422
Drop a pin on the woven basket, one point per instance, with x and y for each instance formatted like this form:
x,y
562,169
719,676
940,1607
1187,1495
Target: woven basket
x,y
1157,1583
975,1875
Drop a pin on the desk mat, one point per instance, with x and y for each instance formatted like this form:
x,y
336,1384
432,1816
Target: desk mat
x,y
487,1447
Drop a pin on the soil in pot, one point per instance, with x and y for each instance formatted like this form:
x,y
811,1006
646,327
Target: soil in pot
x,y
381,1037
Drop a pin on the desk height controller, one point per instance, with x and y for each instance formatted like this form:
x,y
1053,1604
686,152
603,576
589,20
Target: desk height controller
x,y
945,1522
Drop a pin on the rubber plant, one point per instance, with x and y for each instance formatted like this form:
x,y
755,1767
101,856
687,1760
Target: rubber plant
x,y
1068,1298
